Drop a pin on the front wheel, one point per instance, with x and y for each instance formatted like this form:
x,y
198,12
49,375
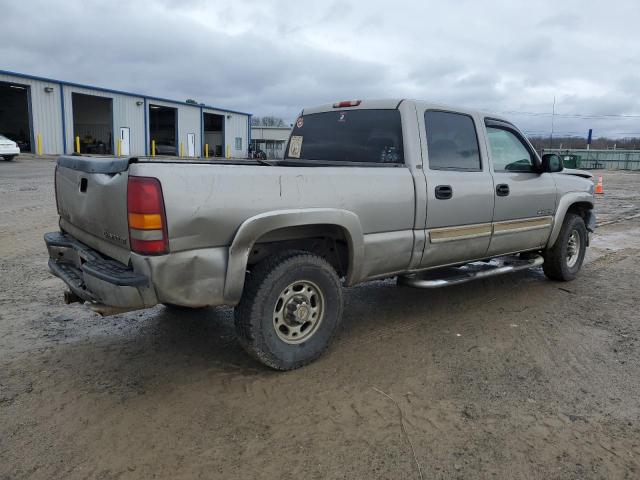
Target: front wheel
x,y
290,309
563,261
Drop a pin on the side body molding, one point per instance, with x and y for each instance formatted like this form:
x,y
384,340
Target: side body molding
x,y
255,227
565,202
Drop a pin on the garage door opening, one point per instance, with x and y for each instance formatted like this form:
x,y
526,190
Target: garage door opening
x,y
213,134
93,123
15,121
163,129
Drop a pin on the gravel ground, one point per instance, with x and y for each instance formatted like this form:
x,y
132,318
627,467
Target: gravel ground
x,y
511,377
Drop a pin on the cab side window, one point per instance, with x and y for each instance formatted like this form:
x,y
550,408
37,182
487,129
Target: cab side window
x,y
452,143
508,152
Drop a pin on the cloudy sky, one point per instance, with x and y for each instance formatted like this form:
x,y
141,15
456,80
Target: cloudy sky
x,y
272,57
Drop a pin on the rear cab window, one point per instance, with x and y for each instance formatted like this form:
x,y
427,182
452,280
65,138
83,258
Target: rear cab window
x,y
348,136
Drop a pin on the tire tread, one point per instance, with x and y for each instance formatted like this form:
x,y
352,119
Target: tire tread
x,y
254,296
554,265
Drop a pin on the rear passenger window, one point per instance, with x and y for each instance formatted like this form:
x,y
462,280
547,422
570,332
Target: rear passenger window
x,y
452,143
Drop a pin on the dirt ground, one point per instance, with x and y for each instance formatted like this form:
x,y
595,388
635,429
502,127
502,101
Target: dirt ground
x,y
511,377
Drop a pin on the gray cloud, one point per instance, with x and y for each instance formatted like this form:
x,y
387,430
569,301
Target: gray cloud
x,y
276,56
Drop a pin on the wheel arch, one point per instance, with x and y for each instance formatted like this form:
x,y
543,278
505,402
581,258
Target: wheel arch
x,y
280,224
580,203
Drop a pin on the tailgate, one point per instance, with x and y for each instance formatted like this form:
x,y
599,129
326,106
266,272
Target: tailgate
x,y
91,194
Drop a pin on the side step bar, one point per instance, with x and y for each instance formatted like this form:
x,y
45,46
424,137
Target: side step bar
x,y
471,271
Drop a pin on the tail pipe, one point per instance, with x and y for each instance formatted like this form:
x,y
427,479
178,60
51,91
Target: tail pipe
x,y
70,297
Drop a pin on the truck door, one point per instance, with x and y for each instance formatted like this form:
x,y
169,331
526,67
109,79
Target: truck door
x,y
459,189
525,199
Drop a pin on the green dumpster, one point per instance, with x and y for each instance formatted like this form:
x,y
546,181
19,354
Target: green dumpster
x,y
570,160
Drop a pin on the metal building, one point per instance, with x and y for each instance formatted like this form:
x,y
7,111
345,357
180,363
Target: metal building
x,y
271,140
48,116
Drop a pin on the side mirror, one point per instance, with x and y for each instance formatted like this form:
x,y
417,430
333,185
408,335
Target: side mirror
x,y
551,163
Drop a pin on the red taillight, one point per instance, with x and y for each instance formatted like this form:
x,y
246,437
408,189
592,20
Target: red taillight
x,y
147,219
347,103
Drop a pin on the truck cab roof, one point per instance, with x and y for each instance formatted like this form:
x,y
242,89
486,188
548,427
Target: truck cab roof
x,y
392,104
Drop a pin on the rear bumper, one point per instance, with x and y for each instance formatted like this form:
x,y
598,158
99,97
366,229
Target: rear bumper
x,y
192,278
9,151
108,285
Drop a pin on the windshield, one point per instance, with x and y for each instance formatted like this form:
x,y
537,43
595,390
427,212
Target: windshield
x,y
373,136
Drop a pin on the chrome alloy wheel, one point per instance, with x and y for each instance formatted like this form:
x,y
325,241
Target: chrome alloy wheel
x,y
573,248
298,312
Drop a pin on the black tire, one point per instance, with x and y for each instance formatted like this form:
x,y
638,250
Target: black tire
x,y
8,158
266,284
556,265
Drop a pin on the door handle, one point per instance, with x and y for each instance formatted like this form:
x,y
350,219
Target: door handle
x,y
502,190
444,192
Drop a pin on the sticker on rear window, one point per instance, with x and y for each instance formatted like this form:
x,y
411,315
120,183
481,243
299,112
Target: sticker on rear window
x,y
295,146
299,122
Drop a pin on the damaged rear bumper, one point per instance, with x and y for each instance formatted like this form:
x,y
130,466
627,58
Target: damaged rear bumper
x,y
109,286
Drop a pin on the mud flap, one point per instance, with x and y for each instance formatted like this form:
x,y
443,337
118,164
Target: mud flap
x,y
590,223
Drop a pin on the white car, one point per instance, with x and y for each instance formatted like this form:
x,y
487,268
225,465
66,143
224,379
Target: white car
x,y
8,148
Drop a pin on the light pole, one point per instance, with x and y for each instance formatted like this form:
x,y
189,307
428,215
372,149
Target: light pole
x,y
553,114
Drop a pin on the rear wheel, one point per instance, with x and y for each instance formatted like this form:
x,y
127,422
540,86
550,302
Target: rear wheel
x,y
8,158
563,261
290,309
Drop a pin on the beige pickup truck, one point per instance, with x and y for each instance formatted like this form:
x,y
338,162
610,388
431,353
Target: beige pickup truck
x,y
432,195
